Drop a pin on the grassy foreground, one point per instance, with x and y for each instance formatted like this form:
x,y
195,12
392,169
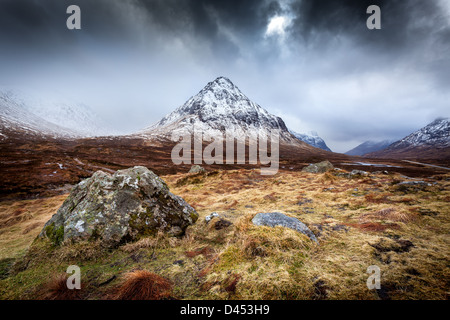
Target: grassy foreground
x,y
359,222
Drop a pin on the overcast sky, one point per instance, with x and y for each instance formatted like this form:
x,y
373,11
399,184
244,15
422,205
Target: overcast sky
x,y
312,62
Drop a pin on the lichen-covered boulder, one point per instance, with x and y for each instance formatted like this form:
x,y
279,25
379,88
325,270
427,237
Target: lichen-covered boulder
x,y
118,208
320,167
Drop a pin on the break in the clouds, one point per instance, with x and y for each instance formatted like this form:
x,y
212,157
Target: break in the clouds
x,y
312,62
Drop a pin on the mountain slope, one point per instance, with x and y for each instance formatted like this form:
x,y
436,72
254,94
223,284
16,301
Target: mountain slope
x,y
430,142
368,147
75,117
16,120
218,108
311,138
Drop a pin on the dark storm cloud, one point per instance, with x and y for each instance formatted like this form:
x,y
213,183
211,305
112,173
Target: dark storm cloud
x,y
316,23
212,21
39,26
32,25
403,22
245,17
323,70
411,30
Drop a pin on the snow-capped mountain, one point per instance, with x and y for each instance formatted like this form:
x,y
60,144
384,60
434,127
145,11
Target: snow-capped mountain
x,y
15,119
369,146
436,134
219,107
311,138
76,118
432,141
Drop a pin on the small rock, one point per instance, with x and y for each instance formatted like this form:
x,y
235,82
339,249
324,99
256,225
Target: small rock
x,y
211,216
196,169
320,167
274,219
414,183
358,173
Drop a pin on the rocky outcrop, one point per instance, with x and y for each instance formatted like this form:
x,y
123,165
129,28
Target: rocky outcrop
x,y
118,208
274,219
320,167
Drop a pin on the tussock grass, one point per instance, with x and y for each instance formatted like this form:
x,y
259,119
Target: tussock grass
x,y
143,285
56,289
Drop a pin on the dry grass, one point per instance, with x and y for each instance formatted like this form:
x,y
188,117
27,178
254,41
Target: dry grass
x,y
391,214
141,244
21,222
278,264
358,223
206,251
79,252
144,285
56,289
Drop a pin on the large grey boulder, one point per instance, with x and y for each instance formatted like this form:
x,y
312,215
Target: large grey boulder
x,y
274,219
118,208
320,167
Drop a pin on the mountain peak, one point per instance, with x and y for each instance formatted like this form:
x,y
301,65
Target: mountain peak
x,y
222,80
221,106
220,83
440,120
218,97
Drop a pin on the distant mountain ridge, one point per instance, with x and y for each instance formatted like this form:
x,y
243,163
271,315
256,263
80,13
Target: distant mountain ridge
x,y
437,134
311,138
368,147
429,142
